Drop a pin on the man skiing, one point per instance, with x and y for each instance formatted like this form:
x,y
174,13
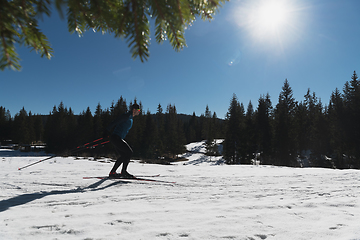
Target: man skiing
x,y
118,130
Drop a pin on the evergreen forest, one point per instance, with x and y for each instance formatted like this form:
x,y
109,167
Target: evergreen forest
x,y
289,133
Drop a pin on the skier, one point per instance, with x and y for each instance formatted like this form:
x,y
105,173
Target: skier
x,y
118,130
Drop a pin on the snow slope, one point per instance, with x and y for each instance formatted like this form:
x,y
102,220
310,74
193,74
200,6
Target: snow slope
x,y
50,200
196,154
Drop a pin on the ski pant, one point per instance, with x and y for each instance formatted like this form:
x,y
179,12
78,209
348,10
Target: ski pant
x,y
124,150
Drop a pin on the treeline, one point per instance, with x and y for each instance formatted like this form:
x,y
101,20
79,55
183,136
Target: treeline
x,y
292,133
153,136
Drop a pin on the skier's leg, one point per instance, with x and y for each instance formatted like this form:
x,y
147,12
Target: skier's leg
x,y
117,164
117,142
124,167
126,155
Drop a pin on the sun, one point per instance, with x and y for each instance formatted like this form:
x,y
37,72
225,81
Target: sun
x,y
268,21
270,18
271,15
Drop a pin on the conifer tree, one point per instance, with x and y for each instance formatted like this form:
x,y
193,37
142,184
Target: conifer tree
x,y
49,129
351,95
305,115
98,124
234,122
249,133
52,131
206,127
242,136
5,124
135,136
180,146
72,139
124,19
201,127
175,138
61,130
320,144
310,103
38,128
264,135
21,127
149,138
31,127
301,129
170,129
192,130
216,128
337,123
86,126
160,123
119,108
217,133
285,145
208,133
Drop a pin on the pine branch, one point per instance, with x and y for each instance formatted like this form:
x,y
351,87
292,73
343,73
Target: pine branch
x,y
125,18
178,45
139,33
159,33
6,53
8,37
9,58
120,30
136,28
180,14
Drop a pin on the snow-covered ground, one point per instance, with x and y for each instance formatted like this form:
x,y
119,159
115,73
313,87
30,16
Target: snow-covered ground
x,y
196,154
210,200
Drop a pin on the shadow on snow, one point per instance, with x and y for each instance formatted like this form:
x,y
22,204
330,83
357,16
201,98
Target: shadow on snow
x,y
27,198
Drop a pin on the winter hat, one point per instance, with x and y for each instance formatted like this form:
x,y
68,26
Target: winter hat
x,y
135,106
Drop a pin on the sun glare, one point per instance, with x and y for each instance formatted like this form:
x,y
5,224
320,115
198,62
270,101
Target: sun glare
x,y
268,21
271,15
269,18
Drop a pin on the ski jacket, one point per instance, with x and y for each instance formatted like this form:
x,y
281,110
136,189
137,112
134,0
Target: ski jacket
x,y
121,125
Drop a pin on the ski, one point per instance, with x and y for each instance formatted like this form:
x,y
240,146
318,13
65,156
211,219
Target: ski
x,y
133,179
143,179
140,176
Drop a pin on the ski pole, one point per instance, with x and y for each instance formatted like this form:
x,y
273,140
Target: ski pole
x,y
90,145
79,148
82,146
94,146
42,160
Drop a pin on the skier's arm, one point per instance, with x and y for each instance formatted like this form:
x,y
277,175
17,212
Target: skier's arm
x,y
117,121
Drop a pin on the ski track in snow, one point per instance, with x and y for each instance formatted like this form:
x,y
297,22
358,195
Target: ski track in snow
x,y
50,200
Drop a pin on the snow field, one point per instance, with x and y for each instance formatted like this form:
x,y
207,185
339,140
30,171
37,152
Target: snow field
x,y
50,200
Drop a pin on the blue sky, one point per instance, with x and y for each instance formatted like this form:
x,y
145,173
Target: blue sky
x,y
315,45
